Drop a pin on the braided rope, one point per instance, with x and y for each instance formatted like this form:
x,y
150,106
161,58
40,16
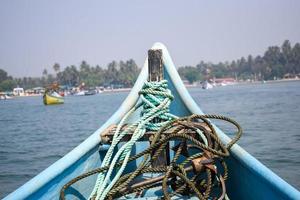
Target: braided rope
x,y
156,99
185,185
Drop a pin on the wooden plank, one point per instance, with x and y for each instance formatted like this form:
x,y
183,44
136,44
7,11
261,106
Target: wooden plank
x,y
155,65
156,73
107,134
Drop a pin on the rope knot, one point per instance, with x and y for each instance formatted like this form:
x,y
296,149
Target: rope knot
x,y
156,97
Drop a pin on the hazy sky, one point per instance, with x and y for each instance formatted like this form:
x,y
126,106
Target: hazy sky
x,y
36,34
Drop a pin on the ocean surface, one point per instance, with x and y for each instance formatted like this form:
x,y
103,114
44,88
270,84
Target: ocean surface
x,y
33,136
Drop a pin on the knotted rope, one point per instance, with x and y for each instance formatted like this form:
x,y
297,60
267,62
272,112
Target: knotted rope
x,y
155,100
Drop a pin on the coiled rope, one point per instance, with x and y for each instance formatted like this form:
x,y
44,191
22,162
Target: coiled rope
x,y
156,98
196,173
178,178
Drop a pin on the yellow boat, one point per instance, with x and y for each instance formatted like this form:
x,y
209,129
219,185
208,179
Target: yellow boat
x,y
52,99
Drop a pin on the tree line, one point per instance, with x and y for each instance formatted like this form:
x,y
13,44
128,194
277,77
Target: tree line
x,y
6,82
275,63
121,74
116,74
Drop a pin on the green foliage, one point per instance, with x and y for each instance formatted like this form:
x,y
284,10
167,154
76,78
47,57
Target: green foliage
x,y
3,75
117,73
275,63
56,67
7,85
189,73
6,82
121,74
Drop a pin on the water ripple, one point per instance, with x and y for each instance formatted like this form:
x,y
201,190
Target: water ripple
x,y
33,136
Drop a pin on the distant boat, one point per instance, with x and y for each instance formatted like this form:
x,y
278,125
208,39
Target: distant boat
x,y
248,178
90,92
81,93
206,85
5,97
51,98
8,97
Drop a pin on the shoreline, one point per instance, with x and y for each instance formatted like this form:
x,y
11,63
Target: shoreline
x,y
268,81
186,85
247,83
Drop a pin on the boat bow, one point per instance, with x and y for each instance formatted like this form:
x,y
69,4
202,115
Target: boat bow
x,y
249,179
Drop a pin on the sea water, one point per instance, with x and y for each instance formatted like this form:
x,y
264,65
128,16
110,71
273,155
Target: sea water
x,y
33,136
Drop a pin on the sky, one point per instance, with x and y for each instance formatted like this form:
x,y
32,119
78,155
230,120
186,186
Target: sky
x,y
36,34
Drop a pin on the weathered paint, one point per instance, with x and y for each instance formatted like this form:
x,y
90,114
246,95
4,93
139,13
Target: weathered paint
x,y
249,179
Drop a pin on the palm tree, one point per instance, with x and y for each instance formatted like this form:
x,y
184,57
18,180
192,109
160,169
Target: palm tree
x,y
56,67
45,72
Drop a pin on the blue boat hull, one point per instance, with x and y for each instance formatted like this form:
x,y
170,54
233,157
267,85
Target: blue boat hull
x,y
248,178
